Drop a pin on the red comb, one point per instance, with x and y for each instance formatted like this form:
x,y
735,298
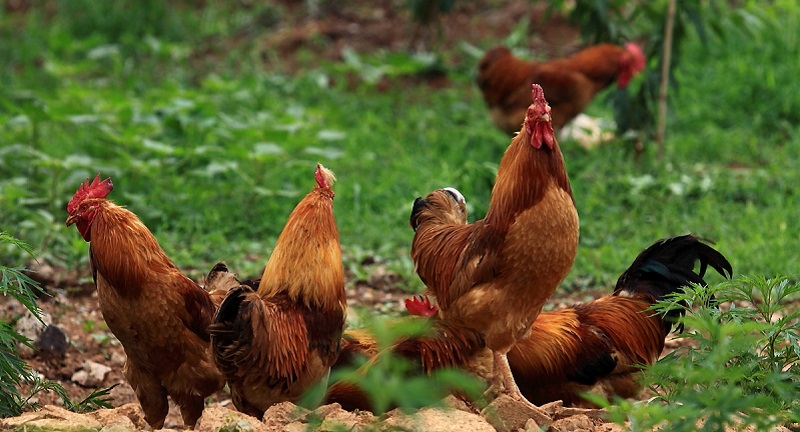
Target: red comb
x,y
95,189
637,54
537,121
421,306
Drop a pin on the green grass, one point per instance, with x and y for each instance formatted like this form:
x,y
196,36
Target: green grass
x,y
213,159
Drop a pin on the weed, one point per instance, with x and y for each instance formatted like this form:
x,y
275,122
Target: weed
x,y
739,368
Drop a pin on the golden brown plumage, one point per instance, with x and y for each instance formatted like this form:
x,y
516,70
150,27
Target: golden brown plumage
x,y
160,316
495,274
275,341
593,347
570,83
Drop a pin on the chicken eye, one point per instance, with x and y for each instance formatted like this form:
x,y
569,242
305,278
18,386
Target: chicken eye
x,y
84,207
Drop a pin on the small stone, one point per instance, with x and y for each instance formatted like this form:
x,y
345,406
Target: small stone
x,y
613,427
456,404
531,426
216,418
31,328
589,412
553,408
133,411
325,410
296,427
92,375
281,414
52,418
52,342
576,423
508,415
338,420
117,359
436,419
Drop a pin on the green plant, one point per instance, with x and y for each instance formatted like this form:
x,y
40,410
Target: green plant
x,y
13,370
14,283
392,381
739,366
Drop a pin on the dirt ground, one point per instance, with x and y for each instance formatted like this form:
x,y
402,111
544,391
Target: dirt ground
x,y
325,32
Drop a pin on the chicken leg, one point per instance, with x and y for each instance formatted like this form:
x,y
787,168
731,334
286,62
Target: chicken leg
x,y
504,383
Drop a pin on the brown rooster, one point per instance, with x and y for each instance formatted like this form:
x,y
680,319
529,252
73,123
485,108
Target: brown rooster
x,y
596,347
570,83
160,316
495,274
276,340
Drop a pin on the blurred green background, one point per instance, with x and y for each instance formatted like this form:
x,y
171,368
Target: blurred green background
x,y
210,116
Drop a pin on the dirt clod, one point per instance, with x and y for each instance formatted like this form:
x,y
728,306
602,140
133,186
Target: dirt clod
x,y
575,423
508,415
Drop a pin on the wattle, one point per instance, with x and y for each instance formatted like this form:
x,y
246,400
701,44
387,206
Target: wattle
x,y
84,228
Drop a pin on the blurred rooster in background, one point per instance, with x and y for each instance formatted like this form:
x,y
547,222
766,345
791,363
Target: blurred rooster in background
x,y
276,340
570,83
160,316
495,274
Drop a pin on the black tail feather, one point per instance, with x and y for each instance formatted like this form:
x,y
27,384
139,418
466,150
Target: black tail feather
x,y
668,265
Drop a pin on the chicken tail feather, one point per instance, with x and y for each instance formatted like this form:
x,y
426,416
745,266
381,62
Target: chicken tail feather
x,y
668,265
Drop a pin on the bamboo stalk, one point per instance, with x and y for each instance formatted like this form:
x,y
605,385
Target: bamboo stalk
x,y
666,58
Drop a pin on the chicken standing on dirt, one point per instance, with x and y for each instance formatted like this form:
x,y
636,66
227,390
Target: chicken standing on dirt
x,y
276,341
570,83
593,347
160,316
596,346
495,275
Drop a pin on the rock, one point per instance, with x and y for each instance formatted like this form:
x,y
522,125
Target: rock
x,y
118,424
591,413
31,328
339,420
507,414
531,426
436,419
52,342
117,359
456,404
216,418
280,415
114,417
553,408
576,423
297,426
52,418
610,427
325,410
92,375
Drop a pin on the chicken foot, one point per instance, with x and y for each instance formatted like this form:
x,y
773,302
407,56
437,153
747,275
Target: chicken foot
x,y
504,383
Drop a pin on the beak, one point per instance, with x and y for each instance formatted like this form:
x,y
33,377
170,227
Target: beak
x,y
72,219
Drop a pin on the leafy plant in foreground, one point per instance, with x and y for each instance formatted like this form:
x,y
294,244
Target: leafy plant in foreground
x,y
13,370
739,367
14,283
393,381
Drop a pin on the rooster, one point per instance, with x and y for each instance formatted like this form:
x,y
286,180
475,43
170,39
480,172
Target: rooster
x,y
160,316
495,274
275,339
593,347
571,82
